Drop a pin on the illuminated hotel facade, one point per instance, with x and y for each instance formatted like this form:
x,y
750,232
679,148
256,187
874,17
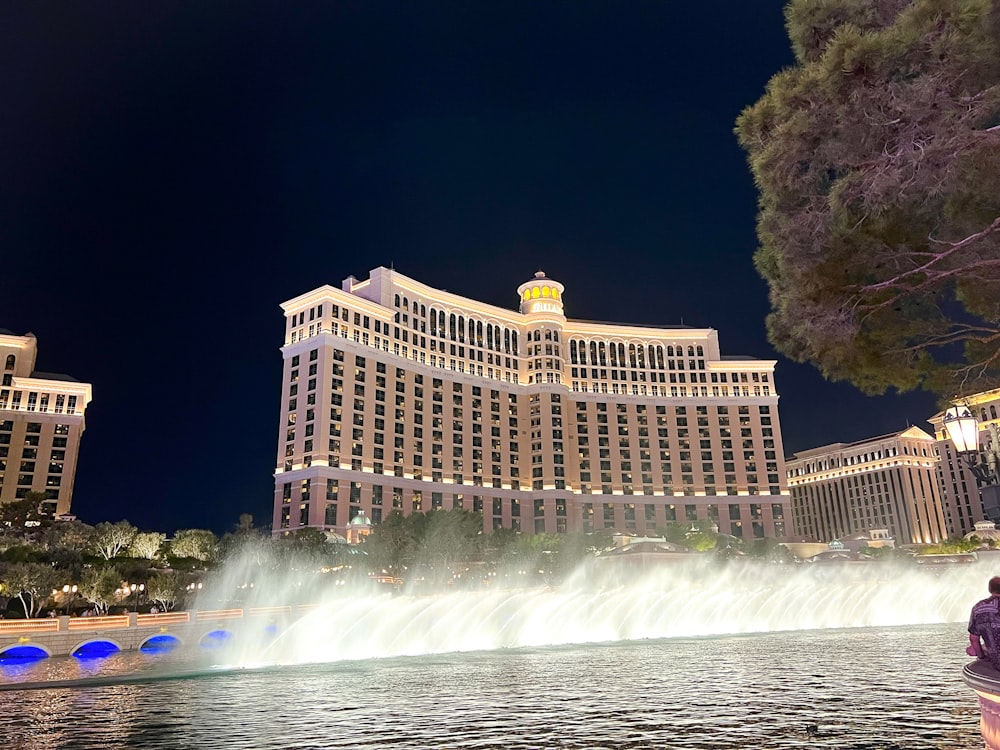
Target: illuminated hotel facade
x,y
41,423
961,495
399,396
889,482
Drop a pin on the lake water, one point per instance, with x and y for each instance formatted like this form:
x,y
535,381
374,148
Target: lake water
x,y
871,688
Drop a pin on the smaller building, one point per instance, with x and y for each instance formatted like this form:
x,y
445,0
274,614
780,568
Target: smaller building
x,y
888,482
874,538
359,527
41,422
985,531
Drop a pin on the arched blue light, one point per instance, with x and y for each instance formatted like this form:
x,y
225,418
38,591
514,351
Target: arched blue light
x,y
96,650
21,654
216,638
160,643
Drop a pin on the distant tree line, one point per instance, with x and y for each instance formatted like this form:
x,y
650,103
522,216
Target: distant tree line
x,y
66,567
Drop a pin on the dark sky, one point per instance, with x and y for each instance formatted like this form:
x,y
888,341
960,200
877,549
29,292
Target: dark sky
x,y
171,172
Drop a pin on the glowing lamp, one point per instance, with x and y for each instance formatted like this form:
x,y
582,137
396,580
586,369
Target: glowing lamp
x,y
963,429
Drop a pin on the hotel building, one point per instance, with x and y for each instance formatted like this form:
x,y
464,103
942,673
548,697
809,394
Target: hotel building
x,y
961,495
888,482
399,396
41,422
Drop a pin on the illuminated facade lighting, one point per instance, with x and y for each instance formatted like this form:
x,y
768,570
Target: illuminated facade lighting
x,y
399,396
962,496
41,422
887,482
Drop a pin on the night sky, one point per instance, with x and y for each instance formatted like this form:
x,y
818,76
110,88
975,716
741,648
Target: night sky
x,y
170,173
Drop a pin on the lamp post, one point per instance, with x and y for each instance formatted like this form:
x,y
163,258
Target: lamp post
x,y
983,461
70,593
136,590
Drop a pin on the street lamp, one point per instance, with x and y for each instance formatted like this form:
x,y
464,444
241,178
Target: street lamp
x,y
963,430
70,593
136,590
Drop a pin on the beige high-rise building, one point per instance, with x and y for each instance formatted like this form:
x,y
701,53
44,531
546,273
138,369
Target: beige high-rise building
x,y
961,496
887,482
399,396
41,422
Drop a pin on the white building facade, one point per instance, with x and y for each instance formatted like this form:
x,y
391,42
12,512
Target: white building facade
x,y
41,423
889,482
399,396
961,496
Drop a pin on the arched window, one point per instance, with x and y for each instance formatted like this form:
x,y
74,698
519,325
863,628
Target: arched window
x,y
670,351
572,352
434,322
513,343
461,328
538,335
452,329
642,356
659,357
496,337
506,340
555,335
548,335
583,352
631,354
690,350
11,359
614,354
406,304
602,351
993,412
701,351
479,332
621,354
397,300
652,357
593,352
423,311
489,336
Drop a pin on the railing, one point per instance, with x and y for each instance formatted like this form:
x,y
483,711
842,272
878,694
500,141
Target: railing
x,y
29,626
219,614
164,618
98,623
119,622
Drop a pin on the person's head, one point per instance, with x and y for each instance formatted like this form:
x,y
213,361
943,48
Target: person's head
x,y
995,585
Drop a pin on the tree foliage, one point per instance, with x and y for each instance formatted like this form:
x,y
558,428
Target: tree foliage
x,y
199,544
31,582
109,539
165,590
100,586
23,518
147,544
436,540
877,160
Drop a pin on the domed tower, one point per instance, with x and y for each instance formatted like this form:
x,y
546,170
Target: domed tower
x,y
541,295
542,304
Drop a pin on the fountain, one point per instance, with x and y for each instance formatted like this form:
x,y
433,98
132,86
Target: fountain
x,y
696,599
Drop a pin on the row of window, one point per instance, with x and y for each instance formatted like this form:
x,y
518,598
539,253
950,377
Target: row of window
x,y
37,401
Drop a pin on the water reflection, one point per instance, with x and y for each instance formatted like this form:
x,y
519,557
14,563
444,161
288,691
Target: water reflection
x,y
837,689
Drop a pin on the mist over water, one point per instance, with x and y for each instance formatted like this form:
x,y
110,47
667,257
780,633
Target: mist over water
x,y
680,600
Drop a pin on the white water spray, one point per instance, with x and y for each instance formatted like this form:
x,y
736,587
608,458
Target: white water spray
x,y
672,601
